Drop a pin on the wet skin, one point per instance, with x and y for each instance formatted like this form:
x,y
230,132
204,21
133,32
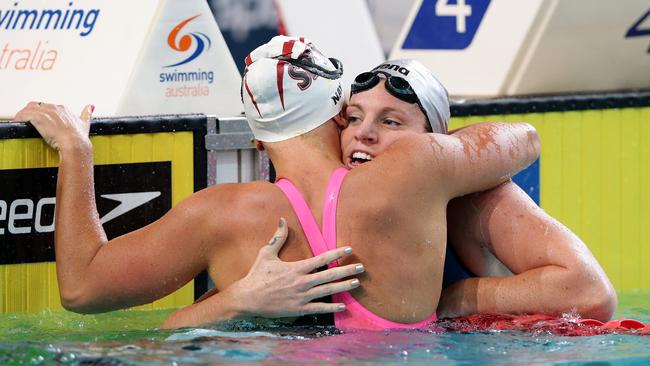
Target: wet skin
x,y
495,233
375,120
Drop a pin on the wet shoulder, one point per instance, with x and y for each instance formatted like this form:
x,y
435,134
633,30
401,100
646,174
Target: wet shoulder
x,y
236,196
229,208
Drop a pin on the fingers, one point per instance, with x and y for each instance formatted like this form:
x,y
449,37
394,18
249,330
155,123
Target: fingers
x,y
87,113
24,114
322,308
332,288
334,274
272,248
33,111
325,258
39,106
86,116
279,237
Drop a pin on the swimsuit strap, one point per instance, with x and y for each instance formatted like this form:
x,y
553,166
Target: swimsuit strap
x,y
318,242
306,218
329,209
357,316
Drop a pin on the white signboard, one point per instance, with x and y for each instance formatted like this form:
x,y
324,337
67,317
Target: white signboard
x,y
185,66
488,48
342,29
125,57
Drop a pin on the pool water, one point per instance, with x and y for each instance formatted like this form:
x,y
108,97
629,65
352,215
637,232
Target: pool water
x,y
131,338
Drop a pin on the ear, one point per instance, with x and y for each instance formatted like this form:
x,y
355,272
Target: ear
x,y
341,119
259,145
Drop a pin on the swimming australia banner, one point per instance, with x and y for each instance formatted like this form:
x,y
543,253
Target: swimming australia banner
x,y
185,67
125,57
488,48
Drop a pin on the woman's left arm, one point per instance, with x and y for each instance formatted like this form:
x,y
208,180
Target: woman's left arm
x,y
554,271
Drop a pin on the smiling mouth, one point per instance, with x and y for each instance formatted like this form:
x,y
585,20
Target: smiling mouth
x,y
359,157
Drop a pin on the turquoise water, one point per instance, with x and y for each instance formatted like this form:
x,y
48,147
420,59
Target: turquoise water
x,y
131,338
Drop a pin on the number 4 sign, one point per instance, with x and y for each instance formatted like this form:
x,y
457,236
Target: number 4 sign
x,y
445,24
460,10
636,30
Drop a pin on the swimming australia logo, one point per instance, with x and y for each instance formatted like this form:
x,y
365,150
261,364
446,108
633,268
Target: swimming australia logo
x,y
186,42
445,25
53,18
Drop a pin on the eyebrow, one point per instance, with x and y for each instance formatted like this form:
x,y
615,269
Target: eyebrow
x,y
383,109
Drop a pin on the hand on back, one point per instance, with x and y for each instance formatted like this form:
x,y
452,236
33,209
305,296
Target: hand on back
x,y
274,288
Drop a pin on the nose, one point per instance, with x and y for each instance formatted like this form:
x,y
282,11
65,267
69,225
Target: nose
x,y
366,132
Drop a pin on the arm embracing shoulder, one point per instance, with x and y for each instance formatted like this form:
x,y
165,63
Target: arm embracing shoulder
x,y
481,156
554,270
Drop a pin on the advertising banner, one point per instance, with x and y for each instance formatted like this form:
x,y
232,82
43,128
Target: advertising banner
x,y
128,196
185,66
489,48
143,166
125,57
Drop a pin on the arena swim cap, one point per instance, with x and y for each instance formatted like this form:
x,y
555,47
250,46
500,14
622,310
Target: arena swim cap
x,y
289,88
431,93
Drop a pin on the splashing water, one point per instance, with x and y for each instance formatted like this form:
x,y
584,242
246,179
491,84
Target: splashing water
x,y
132,338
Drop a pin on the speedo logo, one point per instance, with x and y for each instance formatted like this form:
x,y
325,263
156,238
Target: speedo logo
x,y
24,216
128,196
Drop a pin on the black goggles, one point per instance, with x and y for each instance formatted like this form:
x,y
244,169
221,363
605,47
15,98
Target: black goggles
x,y
307,64
397,86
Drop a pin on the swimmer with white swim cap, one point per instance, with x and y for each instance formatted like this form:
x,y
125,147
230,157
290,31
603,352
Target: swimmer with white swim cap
x,y
276,112
520,237
409,80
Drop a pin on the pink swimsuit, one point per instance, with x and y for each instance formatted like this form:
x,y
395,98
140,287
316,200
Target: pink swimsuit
x,y
355,315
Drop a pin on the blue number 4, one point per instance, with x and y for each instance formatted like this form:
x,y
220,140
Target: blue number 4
x,y
635,31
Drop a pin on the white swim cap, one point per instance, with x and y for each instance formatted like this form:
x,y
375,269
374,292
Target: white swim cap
x,y
289,88
432,95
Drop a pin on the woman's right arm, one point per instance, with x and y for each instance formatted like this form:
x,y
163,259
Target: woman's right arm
x,y
481,156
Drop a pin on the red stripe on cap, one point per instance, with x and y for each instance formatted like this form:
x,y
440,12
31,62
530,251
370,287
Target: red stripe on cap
x,y
287,47
249,60
280,72
251,96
